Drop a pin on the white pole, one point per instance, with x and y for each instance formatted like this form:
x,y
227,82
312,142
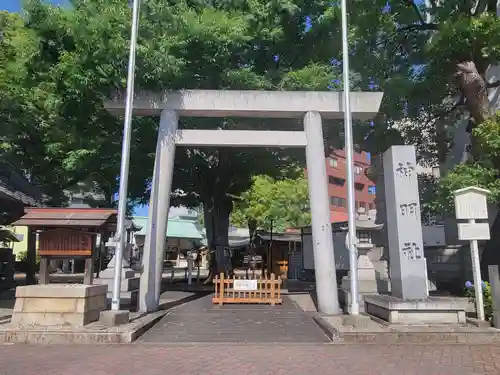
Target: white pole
x,y
127,132
476,271
351,200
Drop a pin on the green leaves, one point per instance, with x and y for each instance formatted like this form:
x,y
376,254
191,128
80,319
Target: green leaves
x,y
488,137
465,175
285,202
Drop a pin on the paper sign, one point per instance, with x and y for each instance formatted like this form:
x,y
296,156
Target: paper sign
x,y
245,285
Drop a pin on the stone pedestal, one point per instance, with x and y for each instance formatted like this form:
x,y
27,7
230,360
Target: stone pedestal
x,y
129,287
112,318
368,283
73,305
432,310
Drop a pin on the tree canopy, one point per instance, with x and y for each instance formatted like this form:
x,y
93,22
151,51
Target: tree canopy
x,y
273,204
57,65
78,58
431,60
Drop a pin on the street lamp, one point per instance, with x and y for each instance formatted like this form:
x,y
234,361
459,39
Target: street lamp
x,y
351,201
124,167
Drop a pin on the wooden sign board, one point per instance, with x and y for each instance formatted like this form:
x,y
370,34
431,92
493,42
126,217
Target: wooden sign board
x,y
470,203
473,231
65,243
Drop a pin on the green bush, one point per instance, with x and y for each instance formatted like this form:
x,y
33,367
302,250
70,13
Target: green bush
x,y
487,300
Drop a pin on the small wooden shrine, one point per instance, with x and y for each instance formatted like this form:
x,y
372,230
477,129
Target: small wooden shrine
x,y
64,233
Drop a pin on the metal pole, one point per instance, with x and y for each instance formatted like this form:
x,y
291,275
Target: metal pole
x,y
351,201
476,271
127,132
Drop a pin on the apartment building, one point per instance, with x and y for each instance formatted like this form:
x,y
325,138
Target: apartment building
x,y
337,185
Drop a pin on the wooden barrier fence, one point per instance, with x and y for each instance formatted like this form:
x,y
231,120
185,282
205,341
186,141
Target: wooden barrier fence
x,y
240,290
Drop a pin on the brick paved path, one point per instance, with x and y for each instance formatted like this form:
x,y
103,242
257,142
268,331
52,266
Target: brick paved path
x,y
240,359
202,322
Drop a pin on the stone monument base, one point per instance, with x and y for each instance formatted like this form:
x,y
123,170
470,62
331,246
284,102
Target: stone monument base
x,y
365,288
72,305
434,310
129,287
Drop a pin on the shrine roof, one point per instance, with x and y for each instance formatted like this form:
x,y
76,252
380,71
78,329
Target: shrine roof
x,y
67,217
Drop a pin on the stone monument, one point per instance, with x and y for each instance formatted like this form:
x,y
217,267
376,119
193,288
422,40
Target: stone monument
x,y
404,229
409,302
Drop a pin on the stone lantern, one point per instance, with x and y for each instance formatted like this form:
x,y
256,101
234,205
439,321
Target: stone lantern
x,y
369,283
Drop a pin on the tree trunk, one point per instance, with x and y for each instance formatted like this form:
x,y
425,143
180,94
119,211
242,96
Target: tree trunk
x,y
474,88
216,211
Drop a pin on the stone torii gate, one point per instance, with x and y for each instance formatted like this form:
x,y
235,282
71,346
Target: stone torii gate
x,y
307,105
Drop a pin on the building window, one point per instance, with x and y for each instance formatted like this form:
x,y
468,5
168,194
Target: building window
x,y
337,201
364,237
358,170
371,190
336,181
359,186
333,163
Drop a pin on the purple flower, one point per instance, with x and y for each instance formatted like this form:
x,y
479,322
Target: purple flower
x,y
483,284
468,284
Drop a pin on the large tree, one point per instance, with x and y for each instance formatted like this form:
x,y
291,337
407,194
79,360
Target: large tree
x,y
27,139
431,59
80,59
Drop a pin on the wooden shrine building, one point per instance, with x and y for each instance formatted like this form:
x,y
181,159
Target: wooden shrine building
x,y
65,233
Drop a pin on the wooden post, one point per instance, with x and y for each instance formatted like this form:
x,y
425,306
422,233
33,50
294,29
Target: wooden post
x,y
216,282
495,293
31,257
222,281
88,276
273,286
102,250
44,274
279,287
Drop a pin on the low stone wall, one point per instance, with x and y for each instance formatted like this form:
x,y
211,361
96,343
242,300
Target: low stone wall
x,y
73,305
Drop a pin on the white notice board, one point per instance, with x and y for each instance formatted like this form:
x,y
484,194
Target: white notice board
x,y
245,285
473,231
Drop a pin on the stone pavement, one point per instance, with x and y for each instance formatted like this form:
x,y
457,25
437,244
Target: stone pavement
x,y
246,359
201,321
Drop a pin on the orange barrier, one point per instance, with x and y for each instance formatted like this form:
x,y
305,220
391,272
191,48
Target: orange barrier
x,y
240,290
